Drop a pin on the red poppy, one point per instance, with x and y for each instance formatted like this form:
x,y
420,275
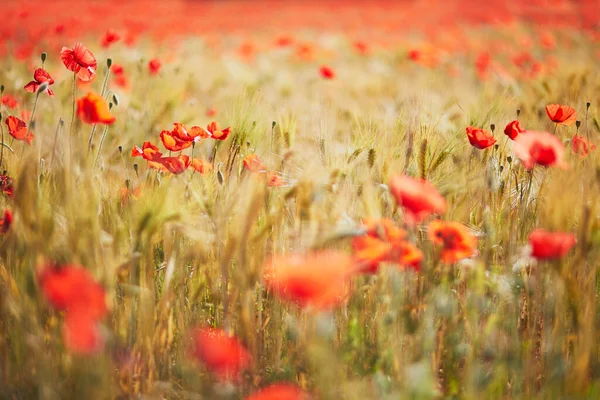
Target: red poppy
x,y
223,355
18,129
176,139
40,76
327,72
457,242
211,112
175,165
6,185
361,47
81,61
550,245
479,138
513,129
581,145
110,37
561,114
418,198
384,242
279,391
197,134
10,101
284,41
215,131
82,333
541,148
154,66
148,151
275,180
253,164
73,288
317,280
482,65
200,166
92,109
119,77
6,222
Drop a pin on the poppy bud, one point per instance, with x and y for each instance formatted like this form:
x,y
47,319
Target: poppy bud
x,y
496,146
43,87
115,99
61,122
127,182
120,149
501,168
108,62
493,127
220,177
273,125
43,56
588,104
577,124
135,168
518,112
1,89
509,159
110,105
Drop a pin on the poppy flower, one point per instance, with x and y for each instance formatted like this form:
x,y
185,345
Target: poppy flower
x,y
10,101
541,148
73,288
253,164
92,109
200,166
550,245
6,185
457,242
479,138
561,114
221,354
177,139
81,61
513,129
275,180
81,333
18,129
6,222
154,66
418,198
119,77
482,65
40,76
211,112
215,131
361,47
384,242
327,72
197,134
581,145
175,165
110,37
148,151
317,280
279,391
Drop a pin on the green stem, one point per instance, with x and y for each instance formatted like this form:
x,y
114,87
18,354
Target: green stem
x,y
100,145
35,102
74,100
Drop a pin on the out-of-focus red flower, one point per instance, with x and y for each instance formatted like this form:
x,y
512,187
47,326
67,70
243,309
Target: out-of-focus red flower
x,y
317,280
548,40
82,333
361,47
513,129
418,198
40,76
280,391
211,112
200,166
119,77
581,145
253,164
384,242
482,65
10,101
92,109
327,72
176,139
550,245
457,242
81,61
154,66
18,129
541,148
217,133
6,185
479,138
221,354
284,41
148,151
73,288
561,114
6,222
275,180
109,37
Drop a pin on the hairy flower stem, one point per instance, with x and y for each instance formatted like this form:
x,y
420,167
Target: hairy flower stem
x,y
100,145
91,139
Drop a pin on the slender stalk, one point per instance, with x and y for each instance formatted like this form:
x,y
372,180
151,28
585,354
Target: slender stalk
x,y
104,85
74,100
100,145
35,102
2,147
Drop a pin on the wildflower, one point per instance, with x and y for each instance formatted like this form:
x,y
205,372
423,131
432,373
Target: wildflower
x,y
110,37
81,61
6,185
175,165
418,198
541,148
82,333
40,76
6,222
253,164
176,139
482,65
561,114
211,112
223,355
327,72
513,129
457,242
119,77
581,145
317,280
92,109
275,180
148,151
550,245
18,129
200,166
10,101
361,47
279,391
154,66
216,133
479,138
